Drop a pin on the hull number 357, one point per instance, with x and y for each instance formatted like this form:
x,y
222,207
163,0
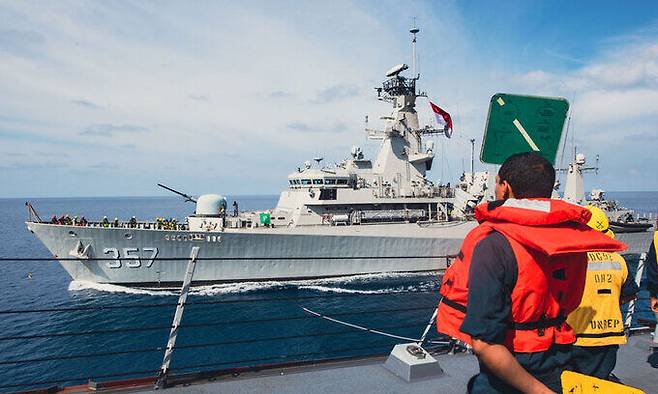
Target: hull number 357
x,y
130,256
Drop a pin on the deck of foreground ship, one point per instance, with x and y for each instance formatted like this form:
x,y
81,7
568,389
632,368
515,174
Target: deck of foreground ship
x,y
368,375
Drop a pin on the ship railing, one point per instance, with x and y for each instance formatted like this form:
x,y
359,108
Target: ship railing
x,y
144,225
279,330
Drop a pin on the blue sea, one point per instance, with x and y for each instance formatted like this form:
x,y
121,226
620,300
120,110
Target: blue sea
x,y
122,332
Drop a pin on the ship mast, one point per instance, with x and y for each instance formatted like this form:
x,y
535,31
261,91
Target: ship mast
x,y
414,30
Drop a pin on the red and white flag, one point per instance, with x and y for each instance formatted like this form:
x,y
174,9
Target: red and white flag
x,y
442,119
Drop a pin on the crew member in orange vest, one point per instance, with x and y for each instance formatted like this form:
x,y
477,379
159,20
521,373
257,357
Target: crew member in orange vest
x,y
518,275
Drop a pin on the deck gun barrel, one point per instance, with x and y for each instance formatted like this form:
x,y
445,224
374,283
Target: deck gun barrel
x,y
186,196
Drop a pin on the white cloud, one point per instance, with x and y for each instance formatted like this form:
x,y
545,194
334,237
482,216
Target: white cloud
x,y
615,110
215,93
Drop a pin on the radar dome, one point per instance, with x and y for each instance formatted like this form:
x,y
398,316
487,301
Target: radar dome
x,y
210,205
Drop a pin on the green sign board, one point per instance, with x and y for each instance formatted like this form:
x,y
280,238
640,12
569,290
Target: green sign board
x,y
519,124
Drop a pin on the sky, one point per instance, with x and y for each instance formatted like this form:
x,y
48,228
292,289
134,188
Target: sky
x,y
108,98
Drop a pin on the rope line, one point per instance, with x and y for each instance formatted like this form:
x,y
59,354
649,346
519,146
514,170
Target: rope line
x,y
218,302
375,345
191,346
307,354
286,337
3,259
206,324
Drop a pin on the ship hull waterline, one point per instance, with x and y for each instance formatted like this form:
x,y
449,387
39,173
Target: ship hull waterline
x,y
158,258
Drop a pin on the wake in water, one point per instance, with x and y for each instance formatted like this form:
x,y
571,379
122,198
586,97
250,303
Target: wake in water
x,y
379,283
78,285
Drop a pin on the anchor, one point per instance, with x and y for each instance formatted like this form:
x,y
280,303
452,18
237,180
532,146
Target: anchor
x,y
80,251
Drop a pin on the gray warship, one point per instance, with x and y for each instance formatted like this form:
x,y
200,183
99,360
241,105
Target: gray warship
x,y
357,217
622,220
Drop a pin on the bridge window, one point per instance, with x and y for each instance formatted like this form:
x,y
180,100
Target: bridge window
x,y
341,181
317,181
327,194
329,181
306,181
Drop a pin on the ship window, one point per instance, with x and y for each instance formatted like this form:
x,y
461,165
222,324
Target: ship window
x,y
341,181
317,181
291,182
281,218
327,194
306,181
296,181
330,181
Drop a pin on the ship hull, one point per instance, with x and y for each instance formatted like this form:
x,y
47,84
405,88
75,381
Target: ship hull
x,y
148,257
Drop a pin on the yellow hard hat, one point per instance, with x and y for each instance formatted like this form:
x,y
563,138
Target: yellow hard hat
x,y
599,221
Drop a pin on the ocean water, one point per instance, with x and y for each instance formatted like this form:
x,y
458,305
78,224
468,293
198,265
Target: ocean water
x,y
229,325
233,328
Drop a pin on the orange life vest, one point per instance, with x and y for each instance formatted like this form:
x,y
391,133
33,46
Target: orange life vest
x,y
549,239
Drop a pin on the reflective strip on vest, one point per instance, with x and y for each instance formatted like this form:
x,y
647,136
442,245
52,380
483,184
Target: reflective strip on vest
x,y
604,266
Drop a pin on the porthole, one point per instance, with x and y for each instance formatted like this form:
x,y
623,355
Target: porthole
x,y
72,233
128,236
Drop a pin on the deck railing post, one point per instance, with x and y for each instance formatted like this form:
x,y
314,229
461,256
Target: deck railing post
x,y
180,307
638,279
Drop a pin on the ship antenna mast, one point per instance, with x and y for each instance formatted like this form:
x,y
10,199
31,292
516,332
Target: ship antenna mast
x,y
414,30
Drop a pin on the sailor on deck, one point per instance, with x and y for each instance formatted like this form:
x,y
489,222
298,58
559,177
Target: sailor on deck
x,y
598,321
529,262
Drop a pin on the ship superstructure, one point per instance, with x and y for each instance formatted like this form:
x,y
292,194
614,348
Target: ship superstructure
x,y
622,220
359,216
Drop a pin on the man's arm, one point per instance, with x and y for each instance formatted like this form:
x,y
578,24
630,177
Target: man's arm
x,y
629,289
502,363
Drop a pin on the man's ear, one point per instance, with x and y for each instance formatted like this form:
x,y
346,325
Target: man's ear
x,y
507,190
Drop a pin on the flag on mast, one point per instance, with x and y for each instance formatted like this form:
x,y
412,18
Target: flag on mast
x,y
442,119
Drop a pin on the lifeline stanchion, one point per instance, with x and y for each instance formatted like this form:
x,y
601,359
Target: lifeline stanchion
x,y
427,328
638,279
164,369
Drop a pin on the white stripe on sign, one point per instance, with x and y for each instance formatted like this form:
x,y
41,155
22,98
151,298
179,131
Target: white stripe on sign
x,y
535,205
500,101
525,135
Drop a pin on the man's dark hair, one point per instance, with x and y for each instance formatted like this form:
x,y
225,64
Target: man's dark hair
x,y
529,174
